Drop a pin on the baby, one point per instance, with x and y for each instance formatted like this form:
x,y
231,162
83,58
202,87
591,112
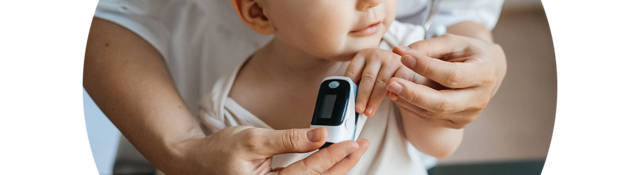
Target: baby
x,y
276,87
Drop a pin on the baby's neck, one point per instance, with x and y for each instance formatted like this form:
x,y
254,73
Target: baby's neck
x,y
279,60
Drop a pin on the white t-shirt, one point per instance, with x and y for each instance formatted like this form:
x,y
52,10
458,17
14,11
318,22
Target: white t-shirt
x,y
202,39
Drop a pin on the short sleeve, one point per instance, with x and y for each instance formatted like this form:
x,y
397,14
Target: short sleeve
x,y
485,12
139,16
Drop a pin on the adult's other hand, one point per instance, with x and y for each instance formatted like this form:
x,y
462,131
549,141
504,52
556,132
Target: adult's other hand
x,y
248,150
456,76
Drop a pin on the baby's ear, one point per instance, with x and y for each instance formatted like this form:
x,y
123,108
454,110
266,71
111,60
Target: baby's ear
x,y
251,13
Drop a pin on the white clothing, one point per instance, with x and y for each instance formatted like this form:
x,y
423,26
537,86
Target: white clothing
x,y
389,153
449,12
202,39
485,12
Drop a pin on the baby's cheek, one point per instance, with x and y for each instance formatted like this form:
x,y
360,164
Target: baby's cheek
x,y
327,44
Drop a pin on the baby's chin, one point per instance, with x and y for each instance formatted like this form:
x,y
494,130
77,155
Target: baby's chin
x,y
348,53
346,56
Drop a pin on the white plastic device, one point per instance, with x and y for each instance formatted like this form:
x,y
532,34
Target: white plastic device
x,y
335,109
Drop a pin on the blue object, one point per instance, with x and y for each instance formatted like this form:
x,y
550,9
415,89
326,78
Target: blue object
x,y
334,84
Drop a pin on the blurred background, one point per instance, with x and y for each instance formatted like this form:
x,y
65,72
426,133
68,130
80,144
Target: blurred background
x,y
513,134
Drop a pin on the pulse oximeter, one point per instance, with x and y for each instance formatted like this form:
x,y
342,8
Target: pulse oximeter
x,y
335,109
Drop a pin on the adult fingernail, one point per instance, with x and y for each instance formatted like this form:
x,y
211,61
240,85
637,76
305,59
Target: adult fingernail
x,y
409,61
395,88
365,144
314,135
354,148
369,110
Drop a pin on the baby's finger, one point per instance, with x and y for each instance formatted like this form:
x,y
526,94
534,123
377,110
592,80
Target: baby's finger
x,y
379,88
367,82
355,68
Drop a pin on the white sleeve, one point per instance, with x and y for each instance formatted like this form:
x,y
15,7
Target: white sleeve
x,y
485,12
139,16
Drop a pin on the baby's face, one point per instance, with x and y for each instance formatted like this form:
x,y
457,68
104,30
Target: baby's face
x,y
330,29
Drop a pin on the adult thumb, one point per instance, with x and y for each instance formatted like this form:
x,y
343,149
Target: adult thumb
x,y
293,140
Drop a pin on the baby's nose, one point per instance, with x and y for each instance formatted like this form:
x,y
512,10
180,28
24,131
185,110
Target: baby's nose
x,y
363,5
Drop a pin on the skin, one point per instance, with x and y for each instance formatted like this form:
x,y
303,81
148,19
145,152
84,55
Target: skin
x,y
374,67
289,70
129,81
302,53
457,75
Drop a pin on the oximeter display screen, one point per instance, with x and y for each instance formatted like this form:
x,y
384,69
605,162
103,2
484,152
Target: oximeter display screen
x,y
327,109
331,104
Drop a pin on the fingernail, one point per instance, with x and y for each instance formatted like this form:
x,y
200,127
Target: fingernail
x,y
359,107
403,48
353,148
395,88
369,110
366,145
314,135
409,61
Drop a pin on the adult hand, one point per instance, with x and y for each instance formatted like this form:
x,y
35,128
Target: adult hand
x,y
248,150
456,78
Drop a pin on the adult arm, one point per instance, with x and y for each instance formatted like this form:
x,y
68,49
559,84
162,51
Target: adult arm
x,y
129,81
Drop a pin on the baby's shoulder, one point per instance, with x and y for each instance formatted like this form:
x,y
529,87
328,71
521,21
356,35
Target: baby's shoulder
x,y
247,83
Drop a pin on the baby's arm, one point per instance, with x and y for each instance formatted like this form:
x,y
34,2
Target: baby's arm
x,y
430,139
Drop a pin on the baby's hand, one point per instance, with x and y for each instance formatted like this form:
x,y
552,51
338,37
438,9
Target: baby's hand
x,y
373,68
